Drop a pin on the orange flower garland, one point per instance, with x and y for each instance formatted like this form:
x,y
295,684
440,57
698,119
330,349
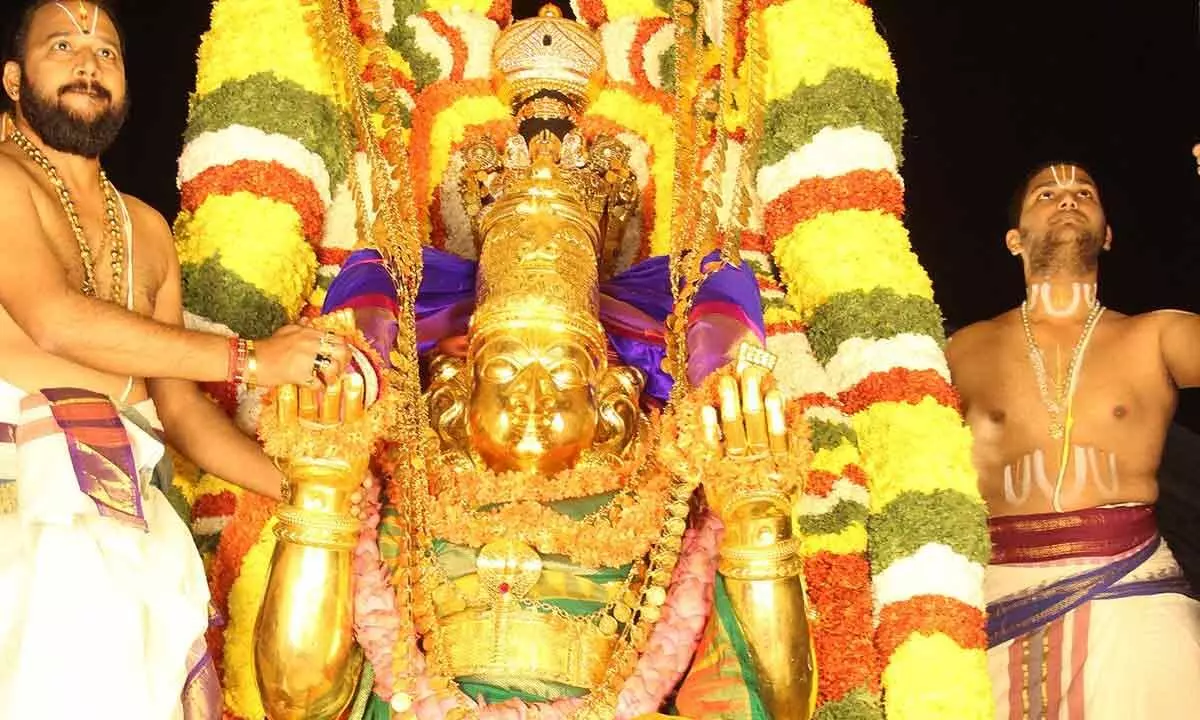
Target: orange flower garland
x,y
856,190
613,536
899,385
487,487
265,179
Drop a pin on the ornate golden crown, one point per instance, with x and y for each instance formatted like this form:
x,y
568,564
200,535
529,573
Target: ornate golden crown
x,y
544,198
548,52
538,260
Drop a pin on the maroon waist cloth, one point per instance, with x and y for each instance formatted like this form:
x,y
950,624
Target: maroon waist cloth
x,y
1095,532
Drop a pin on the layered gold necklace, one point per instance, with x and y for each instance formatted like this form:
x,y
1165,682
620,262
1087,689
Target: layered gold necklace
x,y
115,232
1058,403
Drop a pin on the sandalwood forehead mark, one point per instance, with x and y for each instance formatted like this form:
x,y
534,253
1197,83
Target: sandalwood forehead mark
x,y
1066,178
84,14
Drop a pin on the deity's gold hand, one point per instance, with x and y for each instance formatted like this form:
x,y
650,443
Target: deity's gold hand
x,y
306,660
343,401
750,423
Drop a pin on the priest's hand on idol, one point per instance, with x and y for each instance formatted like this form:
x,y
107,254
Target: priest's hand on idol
x,y
306,356
319,430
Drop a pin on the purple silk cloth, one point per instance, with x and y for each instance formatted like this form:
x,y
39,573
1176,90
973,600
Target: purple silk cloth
x,y
1024,614
633,309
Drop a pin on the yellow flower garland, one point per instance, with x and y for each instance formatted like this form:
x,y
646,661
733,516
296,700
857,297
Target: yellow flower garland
x,y
850,540
923,447
958,685
234,227
845,251
254,36
648,120
617,9
450,128
808,38
245,599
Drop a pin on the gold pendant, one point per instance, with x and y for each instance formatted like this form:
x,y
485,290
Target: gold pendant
x,y
508,568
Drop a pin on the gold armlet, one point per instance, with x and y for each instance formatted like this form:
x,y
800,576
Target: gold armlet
x,y
311,528
773,562
758,542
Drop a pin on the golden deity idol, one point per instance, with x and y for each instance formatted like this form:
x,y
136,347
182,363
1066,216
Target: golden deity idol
x,y
567,535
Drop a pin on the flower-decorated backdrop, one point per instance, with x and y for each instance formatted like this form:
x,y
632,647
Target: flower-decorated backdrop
x,y
894,528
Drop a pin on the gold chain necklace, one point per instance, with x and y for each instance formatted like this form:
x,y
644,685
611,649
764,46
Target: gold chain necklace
x,y
115,232
1056,403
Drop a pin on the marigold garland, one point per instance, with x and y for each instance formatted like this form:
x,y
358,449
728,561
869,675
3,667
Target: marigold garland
x,y
921,447
245,598
245,529
858,358
271,105
808,38
641,111
914,519
846,98
839,586
832,152
270,180
218,229
833,201
229,53
959,690
928,614
856,250
238,143
236,303
899,385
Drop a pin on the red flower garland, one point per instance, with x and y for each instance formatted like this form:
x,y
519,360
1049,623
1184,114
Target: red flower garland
x,y
432,101
593,12
857,190
591,126
264,179
839,587
899,385
821,482
458,47
929,614
637,59
239,536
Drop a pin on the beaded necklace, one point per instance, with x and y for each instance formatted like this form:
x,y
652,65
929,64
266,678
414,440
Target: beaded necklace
x,y
115,232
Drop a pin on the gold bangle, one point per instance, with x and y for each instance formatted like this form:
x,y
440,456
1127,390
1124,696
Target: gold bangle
x,y
251,378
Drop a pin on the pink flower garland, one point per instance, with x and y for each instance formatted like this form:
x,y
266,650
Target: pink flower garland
x,y
666,658
376,617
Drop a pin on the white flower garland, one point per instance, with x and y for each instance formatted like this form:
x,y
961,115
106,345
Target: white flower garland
x,y
843,490
934,569
239,142
857,358
655,50
799,373
432,43
617,39
832,152
341,231
479,34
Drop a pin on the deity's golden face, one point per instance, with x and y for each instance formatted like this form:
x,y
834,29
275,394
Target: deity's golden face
x,y
532,404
